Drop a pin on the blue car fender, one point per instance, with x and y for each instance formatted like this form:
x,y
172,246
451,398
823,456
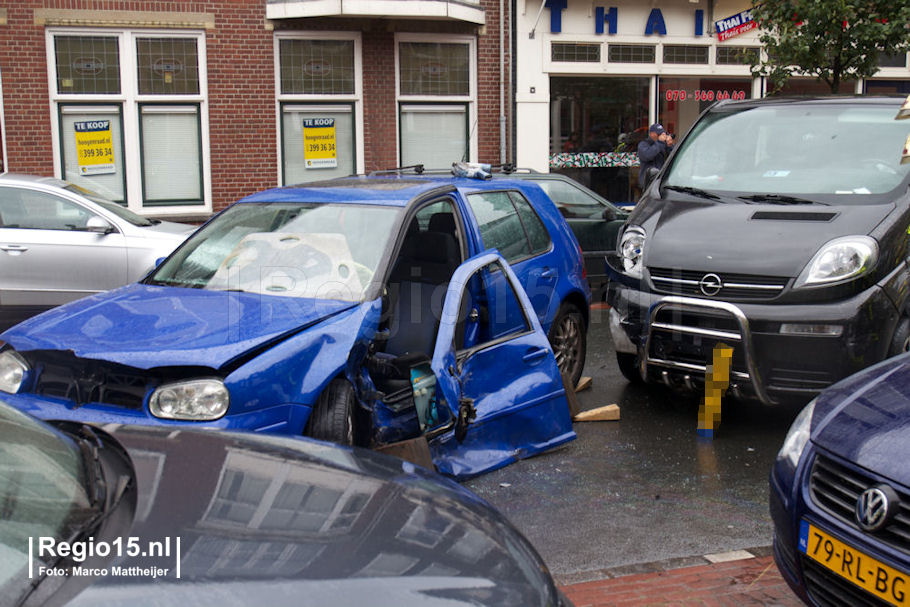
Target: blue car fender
x,y
298,369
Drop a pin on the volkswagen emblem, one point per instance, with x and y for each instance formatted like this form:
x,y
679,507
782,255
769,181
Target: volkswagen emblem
x,y
874,507
710,284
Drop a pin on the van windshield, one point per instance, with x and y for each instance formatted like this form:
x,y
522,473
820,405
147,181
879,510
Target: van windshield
x,y
319,251
834,151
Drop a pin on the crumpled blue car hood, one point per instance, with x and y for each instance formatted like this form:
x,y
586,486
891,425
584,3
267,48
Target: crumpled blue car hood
x,y
147,326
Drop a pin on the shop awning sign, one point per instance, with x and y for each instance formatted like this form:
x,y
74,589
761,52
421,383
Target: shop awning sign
x,y
319,143
94,147
735,25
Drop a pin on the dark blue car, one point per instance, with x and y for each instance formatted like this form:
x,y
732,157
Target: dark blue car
x,y
840,492
364,311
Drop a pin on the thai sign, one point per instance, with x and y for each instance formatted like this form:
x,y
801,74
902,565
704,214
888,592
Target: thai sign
x,y
734,25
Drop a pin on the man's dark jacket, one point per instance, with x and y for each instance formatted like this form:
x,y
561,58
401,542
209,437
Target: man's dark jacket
x,y
651,154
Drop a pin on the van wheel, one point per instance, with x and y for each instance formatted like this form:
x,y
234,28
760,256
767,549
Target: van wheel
x,y
900,342
332,419
628,366
568,338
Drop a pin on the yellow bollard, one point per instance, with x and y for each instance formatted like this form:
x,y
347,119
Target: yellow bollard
x,y
717,378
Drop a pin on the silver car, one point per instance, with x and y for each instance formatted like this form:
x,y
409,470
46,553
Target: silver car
x,y
60,242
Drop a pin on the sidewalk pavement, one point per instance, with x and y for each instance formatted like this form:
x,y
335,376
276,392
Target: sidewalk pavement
x,y
736,579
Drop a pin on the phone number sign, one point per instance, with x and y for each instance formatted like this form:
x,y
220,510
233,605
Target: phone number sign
x,y
319,151
94,147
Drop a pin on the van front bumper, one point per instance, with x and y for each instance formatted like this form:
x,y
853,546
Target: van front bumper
x,y
674,337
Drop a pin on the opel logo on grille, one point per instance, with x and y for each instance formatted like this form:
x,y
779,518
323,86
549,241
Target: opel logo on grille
x,y
710,284
874,507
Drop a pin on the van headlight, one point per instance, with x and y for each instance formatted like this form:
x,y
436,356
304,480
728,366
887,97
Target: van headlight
x,y
839,259
631,246
797,437
12,371
194,400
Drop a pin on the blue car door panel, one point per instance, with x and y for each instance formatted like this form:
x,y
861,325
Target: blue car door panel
x,y
501,385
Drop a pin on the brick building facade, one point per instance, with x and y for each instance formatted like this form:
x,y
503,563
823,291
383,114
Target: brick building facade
x,y
179,108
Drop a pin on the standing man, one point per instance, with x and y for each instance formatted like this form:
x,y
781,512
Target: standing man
x,y
653,151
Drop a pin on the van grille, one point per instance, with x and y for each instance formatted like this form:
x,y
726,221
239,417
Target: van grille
x,y
736,286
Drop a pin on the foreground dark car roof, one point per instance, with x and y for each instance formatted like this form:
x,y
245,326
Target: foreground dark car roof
x,y
283,521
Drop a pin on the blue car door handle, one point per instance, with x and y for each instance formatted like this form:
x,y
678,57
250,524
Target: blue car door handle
x,y
534,355
547,273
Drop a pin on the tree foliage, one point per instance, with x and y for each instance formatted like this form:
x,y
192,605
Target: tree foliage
x,y
833,40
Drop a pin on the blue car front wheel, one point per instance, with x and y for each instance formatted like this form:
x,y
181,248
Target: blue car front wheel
x,y
332,418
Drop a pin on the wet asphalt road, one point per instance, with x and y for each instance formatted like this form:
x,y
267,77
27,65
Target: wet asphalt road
x,y
645,488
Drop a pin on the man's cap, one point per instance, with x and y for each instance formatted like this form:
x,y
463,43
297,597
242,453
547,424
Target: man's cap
x,y
656,128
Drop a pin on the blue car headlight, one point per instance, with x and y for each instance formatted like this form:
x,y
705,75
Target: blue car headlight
x,y
797,438
12,371
193,400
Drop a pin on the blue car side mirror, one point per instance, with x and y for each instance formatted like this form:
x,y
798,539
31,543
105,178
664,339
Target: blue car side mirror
x,y
159,261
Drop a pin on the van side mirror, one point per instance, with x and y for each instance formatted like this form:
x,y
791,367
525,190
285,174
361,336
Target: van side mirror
x,y
650,174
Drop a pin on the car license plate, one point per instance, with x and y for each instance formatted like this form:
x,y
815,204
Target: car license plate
x,y
875,577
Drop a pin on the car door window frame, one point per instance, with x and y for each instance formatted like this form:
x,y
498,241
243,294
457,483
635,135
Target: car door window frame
x,y
463,354
509,195
57,198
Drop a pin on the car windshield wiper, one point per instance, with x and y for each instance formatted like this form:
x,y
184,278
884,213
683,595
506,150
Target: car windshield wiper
x,y
692,191
779,199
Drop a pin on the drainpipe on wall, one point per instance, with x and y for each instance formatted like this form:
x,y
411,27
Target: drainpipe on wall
x,y
4,165
502,85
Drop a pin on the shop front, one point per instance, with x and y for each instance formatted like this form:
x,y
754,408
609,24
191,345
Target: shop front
x,y
600,75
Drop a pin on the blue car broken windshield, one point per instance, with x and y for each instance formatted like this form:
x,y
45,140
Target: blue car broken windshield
x,y
318,251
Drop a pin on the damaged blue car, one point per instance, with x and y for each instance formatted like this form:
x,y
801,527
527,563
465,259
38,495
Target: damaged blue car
x,y
365,311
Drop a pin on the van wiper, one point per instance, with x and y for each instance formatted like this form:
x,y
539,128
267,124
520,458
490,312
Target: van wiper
x,y
779,199
693,191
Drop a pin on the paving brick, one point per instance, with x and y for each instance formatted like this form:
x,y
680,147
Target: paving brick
x,y
740,583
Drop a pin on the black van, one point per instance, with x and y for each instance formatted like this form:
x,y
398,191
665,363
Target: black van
x,y
779,227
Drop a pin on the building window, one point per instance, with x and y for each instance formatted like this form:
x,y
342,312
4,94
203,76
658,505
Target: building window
x,y
144,88
436,100
892,60
631,53
171,153
592,117
682,100
682,53
317,67
87,65
575,52
167,66
434,68
736,55
320,105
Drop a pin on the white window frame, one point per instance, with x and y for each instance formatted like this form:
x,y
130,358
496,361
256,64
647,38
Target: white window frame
x,y
355,99
470,99
130,100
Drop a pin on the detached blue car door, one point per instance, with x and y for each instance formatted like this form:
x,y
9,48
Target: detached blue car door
x,y
496,373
